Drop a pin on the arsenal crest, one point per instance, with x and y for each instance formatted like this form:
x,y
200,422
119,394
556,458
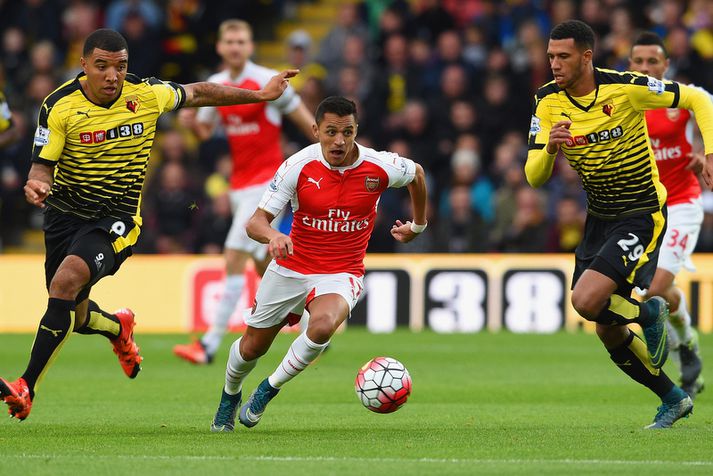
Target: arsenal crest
x,y
608,109
372,184
132,103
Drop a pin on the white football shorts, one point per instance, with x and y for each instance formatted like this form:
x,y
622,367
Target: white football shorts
x,y
244,202
682,229
283,291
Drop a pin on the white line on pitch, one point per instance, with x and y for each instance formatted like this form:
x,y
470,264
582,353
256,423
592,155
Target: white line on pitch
x,y
328,459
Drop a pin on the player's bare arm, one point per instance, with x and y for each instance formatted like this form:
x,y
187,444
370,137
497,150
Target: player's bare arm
x,y
212,94
696,162
39,182
259,229
303,119
708,171
405,232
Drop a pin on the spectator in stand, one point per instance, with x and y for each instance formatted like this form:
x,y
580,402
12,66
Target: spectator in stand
x,y
298,56
79,20
448,53
466,171
462,230
171,210
454,86
499,114
512,179
431,19
616,45
349,24
564,184
119,10
43,59
353,55
139,33
562,10
38,19
568,229
592,12
394,85
685,64
667,15
529,231
417,129
213,225
312,93
15,61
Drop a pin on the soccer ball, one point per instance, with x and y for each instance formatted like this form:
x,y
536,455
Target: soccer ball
x,y
383,384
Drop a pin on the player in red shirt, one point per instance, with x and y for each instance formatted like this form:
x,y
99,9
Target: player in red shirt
x,y
679,166
253,134
334,188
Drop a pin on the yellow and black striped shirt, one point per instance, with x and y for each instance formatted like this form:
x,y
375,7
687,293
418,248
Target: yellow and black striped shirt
x,y
5,115
100,153
610,147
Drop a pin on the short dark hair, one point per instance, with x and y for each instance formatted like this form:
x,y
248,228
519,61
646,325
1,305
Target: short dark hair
x,y
104,39
338,105
648,38
580,32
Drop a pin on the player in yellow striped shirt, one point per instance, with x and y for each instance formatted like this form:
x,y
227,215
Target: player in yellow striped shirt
x,y
595,119
89,159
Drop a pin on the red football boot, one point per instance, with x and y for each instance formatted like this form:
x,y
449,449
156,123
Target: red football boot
x,y
17,396
194,353
124,346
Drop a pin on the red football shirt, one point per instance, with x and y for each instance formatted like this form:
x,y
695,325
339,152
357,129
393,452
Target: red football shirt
x,y
252,130
334,207
671,145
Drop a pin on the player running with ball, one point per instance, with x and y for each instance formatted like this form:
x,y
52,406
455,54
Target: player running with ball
x,y
334,188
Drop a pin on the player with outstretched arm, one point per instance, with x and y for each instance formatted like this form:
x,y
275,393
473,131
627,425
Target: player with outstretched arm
x,y
91,149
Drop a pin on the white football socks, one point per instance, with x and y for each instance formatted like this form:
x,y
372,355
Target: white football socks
x,y
237,369
233,289
302,352
681,321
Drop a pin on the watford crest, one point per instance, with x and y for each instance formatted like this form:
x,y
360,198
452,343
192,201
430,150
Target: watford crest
x,y
608,109
132,103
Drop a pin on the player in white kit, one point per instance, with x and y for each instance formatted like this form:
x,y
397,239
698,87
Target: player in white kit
x,y
334,189
253,134
679,166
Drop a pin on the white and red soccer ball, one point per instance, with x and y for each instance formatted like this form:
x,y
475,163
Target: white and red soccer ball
x,y
383,385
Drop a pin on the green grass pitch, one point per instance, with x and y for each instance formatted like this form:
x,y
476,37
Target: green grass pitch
x,y
481,404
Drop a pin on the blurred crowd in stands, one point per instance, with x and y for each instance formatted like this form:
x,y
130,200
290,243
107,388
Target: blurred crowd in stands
x,y
447,83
